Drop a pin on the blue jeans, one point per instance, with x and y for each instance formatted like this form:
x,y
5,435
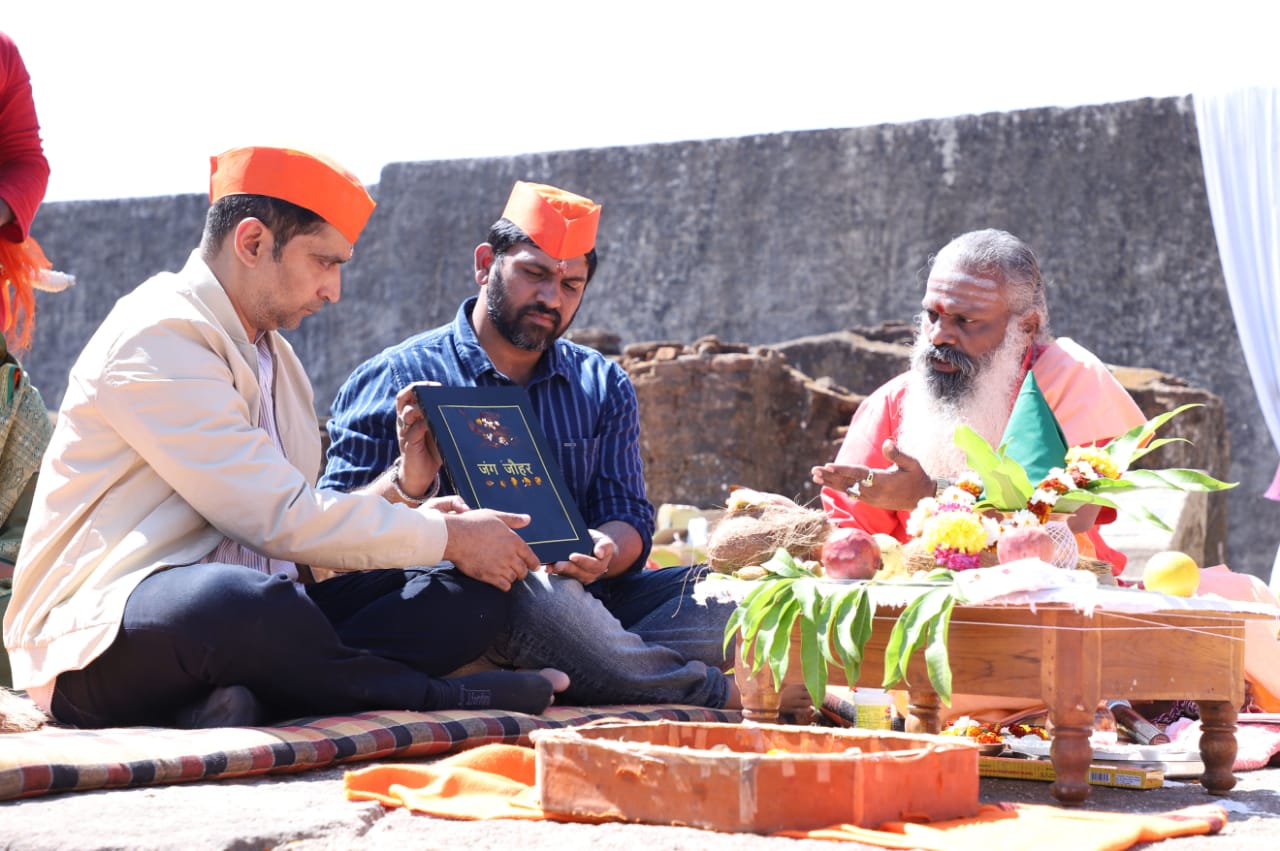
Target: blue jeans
x,y
639,638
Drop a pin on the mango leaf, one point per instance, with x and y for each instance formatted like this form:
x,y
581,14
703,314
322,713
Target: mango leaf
x,y
1125,448
1072,500
1104,486
806,593
755,606
1154,445
844,624
911,631
785,565
864,614
853,630
1178,479
768,627
812,664
776,640
1144,513
893,652
824,625
935,652
1005,483
731,627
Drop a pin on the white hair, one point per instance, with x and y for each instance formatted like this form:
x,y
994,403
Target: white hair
x,y
927,431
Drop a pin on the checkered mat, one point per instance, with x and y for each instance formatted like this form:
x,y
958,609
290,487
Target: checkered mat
x,y
56,759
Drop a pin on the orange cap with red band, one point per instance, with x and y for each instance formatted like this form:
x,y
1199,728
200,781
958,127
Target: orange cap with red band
x,y
309,180
561,223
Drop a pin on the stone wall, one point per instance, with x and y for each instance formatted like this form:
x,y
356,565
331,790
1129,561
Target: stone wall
x,y
746,418
765,239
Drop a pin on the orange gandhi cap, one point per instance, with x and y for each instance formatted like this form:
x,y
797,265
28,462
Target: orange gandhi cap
x,y
561,223
309,180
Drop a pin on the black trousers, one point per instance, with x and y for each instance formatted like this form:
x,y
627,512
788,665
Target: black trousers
x,y
359,641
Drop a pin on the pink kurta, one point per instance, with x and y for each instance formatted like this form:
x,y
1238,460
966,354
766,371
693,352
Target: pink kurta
x,y
1087,400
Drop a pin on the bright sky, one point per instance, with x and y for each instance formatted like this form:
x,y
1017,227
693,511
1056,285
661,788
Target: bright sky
x,y
135,95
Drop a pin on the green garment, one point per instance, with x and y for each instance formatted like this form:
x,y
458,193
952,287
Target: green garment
x,y
1033,437
25,430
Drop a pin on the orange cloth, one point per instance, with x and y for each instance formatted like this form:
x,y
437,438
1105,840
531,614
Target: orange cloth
x,y
1033,827
491,781
1087,401
309,180
497,781
561,223
1261,649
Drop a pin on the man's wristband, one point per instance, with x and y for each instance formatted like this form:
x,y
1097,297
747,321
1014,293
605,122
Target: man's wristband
x,y
396,469
940,484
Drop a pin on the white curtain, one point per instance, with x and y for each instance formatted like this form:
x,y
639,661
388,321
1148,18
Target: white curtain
x,y
1240,149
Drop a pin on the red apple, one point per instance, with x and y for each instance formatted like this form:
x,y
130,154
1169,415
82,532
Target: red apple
x,y
1025,542
850,554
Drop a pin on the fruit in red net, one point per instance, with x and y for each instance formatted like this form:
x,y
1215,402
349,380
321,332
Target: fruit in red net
x,y
850,554
1024,542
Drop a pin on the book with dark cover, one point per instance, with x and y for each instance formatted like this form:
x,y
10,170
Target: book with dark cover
x,y
497,457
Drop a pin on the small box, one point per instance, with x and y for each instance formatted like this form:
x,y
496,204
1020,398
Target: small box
x,y
757,778
1099,775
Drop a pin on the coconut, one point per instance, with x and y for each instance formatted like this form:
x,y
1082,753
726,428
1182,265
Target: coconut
x,y
752,535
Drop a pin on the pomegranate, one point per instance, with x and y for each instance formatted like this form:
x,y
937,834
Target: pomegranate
x,y
850,554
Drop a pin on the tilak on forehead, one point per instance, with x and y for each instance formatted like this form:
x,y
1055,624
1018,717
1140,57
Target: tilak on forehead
x,y
951,288
560,223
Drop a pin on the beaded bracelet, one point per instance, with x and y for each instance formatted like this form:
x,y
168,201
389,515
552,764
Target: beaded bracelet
x,y
396,470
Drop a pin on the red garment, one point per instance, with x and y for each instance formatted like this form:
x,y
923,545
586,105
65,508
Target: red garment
x,y
1090,405
24,172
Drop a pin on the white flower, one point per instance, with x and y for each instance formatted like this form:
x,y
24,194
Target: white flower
x,y
1086,470
1061,476
1043,497
924,509
957,496
992,527
1021,518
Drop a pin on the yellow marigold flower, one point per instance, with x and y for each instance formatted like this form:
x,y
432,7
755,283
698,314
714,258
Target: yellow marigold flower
x,y
1096,458
956,530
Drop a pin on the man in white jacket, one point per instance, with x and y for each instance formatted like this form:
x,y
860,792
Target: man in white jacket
x,y
162,576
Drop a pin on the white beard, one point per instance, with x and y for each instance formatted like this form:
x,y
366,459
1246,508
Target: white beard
x,y
928,428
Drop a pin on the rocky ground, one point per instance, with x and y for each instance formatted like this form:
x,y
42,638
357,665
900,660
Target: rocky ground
x,y
308,812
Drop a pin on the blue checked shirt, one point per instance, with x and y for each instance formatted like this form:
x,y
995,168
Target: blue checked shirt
x,y
584,402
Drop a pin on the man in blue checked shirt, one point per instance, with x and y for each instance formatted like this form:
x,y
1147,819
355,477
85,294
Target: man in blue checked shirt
x,y
621,633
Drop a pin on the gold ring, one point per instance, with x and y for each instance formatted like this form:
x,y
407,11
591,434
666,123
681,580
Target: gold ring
x,y
869,480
